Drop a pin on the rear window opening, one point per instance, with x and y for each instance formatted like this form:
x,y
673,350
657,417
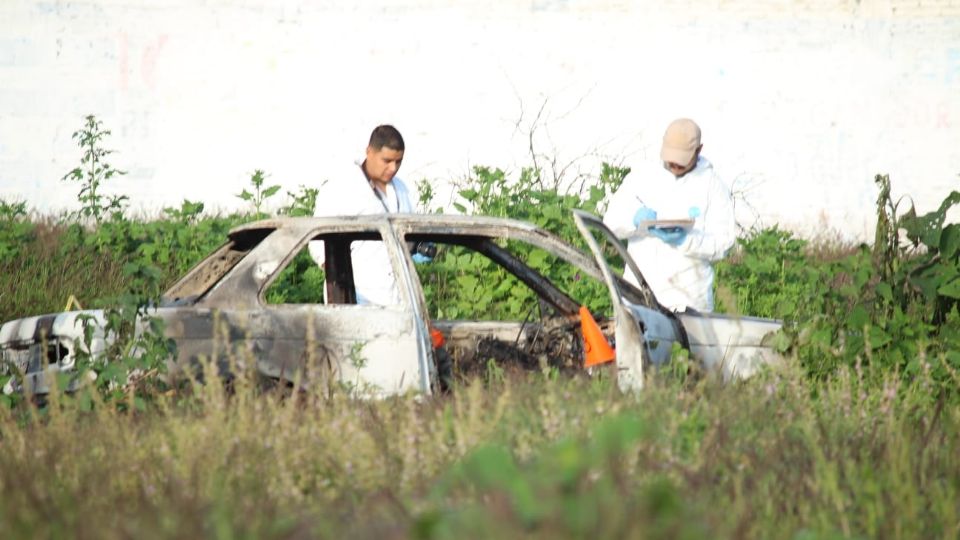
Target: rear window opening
x,y
204,276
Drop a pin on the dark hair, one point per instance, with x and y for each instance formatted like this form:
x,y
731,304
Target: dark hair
x,y
386,135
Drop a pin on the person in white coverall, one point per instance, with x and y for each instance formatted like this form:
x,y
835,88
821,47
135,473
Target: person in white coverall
x,y
373,188
676,263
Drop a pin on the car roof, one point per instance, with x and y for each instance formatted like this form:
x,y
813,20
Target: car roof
x,y
425,220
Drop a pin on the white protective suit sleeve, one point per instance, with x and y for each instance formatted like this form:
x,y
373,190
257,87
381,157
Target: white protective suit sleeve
x,y
622,206
715,230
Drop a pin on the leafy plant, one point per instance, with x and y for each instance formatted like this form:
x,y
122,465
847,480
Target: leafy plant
x,y
425,196
15,229
770,276
928,269
259,195
94,171
469,285
303,202
894,305
188,213
301,282
129,372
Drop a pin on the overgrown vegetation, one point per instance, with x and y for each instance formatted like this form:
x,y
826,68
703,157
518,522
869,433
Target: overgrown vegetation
x,y
514,457
855,437
468,285
16,230
894,306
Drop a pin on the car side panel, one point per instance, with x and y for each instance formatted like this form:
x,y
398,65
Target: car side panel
x,y
733,345
365,348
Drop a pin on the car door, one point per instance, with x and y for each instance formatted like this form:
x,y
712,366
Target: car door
x,y
735,346
377,349
633,349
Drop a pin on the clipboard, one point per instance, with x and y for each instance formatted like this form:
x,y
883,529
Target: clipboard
x,y
641,230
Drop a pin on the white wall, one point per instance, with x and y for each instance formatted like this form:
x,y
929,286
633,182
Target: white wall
x,y
801,102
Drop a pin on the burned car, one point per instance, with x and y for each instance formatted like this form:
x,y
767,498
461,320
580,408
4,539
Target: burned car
x,y
234,309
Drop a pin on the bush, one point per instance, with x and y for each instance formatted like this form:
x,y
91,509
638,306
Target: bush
x,y
894,306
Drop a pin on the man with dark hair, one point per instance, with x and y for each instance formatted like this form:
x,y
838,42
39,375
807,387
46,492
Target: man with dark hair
x,y
378,191
386,135
383,158
386,192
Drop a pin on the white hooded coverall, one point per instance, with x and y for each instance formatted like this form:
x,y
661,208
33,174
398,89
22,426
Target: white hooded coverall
x,y
681,276
352,195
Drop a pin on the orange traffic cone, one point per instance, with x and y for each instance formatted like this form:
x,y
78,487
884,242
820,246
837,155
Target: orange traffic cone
x,y
436,338
595,346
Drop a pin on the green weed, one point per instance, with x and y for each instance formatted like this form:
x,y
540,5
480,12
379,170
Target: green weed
x,y
302,202
16,229
258,197
460,280
892,306
94,171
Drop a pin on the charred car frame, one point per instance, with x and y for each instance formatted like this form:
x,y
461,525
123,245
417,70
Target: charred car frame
x,y
220,310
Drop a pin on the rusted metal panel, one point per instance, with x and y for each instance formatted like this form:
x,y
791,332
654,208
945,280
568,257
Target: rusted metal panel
x,y
369,347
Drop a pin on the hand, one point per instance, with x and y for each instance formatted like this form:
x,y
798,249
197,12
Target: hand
x,y
420,259
644,214
423,252
670,235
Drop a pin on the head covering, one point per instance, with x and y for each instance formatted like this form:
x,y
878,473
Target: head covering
x,y
680,142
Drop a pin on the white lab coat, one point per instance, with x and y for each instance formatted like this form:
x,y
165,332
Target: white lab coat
x,y
682,275
352,195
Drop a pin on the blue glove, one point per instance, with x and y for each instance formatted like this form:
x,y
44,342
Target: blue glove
x,y
420,259
423,252
670,235
644,214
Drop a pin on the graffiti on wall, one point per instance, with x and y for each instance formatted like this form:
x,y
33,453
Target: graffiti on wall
x,y
138,59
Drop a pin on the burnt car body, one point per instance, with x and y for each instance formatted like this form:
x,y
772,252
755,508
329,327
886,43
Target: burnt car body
x,y
221,311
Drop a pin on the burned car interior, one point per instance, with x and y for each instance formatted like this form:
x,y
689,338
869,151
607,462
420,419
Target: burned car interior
x,y
544,333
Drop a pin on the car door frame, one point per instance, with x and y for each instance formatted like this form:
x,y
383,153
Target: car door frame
x,y
409,333
631,348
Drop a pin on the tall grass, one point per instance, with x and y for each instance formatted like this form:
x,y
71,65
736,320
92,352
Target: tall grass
x,y
54,259
44,274
863,455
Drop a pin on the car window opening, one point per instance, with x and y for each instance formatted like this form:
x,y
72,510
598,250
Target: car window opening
x,y
325,272
500,306
205,275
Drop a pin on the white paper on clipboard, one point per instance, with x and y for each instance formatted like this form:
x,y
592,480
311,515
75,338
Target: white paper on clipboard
x,y
641,231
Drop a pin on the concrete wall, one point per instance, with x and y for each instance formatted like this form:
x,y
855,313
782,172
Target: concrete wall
x,y
801,102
